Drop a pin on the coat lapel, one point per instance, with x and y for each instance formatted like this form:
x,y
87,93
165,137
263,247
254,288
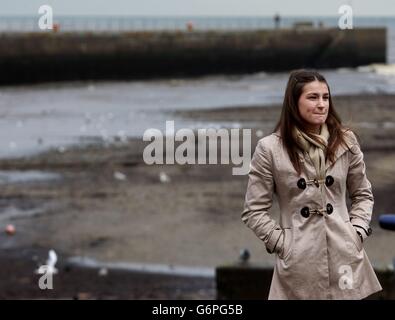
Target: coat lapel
x,y
338,153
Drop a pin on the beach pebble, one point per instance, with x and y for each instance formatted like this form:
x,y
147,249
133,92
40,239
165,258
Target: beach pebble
x,y
244,255
163,177
10,229
103,272
83,296
119,176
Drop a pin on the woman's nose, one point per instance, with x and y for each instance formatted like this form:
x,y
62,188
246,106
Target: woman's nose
x,y
321,103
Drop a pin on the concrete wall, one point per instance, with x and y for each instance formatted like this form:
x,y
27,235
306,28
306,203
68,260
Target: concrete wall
x,y
252,282
36,57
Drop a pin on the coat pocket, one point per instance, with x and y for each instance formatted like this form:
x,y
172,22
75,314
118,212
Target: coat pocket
x,y
286,250
354,236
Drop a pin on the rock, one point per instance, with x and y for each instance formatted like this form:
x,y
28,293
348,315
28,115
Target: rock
x,y
119,176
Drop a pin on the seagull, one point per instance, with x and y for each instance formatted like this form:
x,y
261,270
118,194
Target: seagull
x,y
52,259
49,266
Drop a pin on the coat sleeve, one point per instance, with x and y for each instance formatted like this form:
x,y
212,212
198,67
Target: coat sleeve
x,y
359,190
259,197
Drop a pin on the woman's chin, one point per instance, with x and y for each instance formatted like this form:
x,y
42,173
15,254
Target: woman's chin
x,y
317,122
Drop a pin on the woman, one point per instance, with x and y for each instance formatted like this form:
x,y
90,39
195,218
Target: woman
x,y
309,162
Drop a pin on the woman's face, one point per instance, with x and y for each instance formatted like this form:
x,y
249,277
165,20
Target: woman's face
x,y
313,104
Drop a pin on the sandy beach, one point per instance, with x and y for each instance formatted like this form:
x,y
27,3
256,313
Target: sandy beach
x,y
105,203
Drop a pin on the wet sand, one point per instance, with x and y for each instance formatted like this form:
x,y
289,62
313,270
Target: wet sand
x,y
80,283
110,206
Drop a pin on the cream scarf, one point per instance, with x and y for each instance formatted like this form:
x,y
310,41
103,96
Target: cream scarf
x,y
316,150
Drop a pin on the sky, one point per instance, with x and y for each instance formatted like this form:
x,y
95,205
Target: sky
x,y
199,7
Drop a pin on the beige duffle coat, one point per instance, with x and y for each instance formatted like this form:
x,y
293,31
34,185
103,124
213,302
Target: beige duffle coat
x,y
321,256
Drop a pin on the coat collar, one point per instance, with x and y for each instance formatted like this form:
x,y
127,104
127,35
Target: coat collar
x,y
338,153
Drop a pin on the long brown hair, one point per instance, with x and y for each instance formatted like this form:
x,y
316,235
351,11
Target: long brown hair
x,y
290,116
